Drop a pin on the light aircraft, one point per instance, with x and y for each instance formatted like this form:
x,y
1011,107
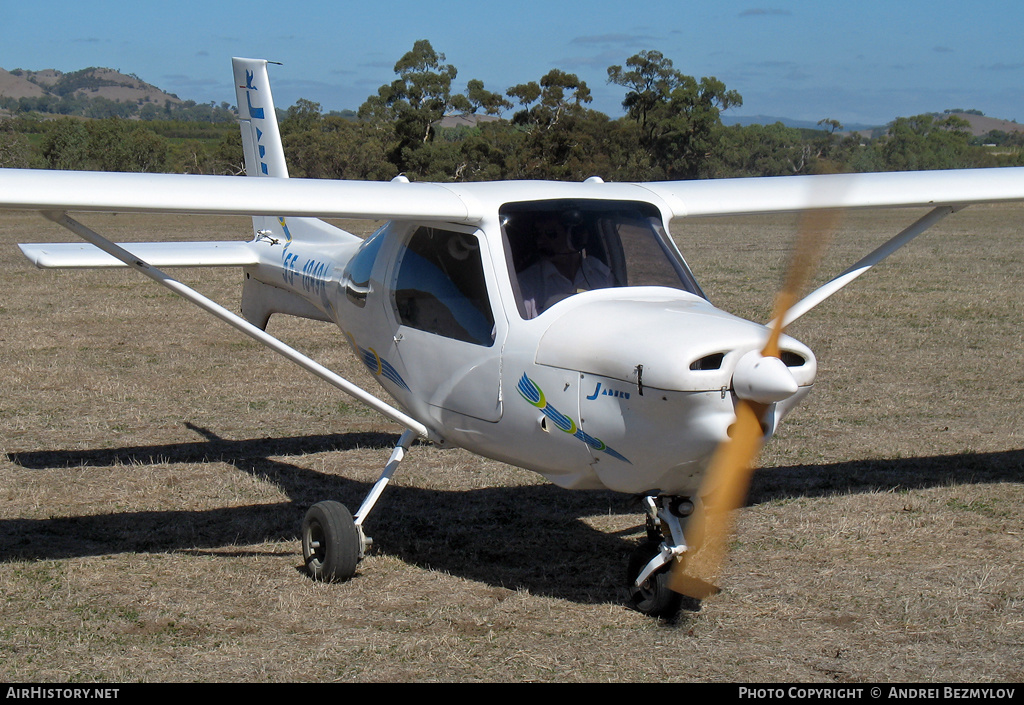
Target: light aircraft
x,y
553,326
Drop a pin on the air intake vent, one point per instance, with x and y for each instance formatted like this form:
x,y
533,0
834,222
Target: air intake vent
x,y
791,359
708,362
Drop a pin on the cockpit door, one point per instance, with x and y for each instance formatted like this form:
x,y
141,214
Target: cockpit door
x,y
449,332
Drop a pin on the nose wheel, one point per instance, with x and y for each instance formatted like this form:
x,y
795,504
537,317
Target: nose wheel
x,y
650,564
651,596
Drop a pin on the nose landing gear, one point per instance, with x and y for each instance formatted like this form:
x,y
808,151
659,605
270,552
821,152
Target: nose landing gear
x,y
651,562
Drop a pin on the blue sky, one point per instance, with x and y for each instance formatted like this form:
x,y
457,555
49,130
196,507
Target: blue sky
x,y
858,62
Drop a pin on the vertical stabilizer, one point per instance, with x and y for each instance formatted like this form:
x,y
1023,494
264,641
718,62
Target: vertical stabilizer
x,y
274,284
261,139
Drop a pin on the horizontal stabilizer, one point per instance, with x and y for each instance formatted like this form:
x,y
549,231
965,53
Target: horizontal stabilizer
x,y
158,254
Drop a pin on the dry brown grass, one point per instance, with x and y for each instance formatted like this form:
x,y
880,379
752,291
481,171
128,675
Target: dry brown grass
x,y
156,466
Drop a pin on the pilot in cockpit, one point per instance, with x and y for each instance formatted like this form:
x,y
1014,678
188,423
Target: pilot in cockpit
x,y
563,267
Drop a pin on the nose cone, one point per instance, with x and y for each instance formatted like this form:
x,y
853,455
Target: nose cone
x,y
762,379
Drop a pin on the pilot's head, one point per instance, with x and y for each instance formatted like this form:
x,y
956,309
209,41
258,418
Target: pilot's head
x,y
554,237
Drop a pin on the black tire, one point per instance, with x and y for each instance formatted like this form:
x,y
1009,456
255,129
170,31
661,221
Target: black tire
x,y
653,598
330,542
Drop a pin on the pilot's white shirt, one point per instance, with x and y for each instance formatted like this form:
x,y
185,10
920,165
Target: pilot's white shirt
x,y
543,285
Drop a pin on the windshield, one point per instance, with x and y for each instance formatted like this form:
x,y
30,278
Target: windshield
x,y
560,248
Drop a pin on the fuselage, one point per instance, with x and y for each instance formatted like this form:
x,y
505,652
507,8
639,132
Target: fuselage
x,y
623,382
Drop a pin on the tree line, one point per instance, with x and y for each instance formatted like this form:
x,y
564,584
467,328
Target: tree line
x,y
672,129
100,107
117,144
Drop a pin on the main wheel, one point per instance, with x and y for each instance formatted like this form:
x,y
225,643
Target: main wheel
x,y
653,597
330,542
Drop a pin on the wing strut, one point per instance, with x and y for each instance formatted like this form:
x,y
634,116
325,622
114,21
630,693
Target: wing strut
x,y
820,294
236,321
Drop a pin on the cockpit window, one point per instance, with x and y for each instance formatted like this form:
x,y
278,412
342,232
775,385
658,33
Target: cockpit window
x,y
560,248
440,286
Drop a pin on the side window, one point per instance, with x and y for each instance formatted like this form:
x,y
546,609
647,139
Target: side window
x,y
440,288
357,272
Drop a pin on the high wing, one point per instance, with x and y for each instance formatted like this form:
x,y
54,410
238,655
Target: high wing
x,y
460,203
81,191
748,196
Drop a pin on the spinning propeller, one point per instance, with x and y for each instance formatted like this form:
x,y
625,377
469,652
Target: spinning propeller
x,y
760,379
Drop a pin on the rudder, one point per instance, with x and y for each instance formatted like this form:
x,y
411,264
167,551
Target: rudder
x,y
261,138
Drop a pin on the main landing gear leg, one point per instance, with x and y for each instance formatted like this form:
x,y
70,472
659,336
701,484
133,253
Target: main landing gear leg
x,y
333,541
651,561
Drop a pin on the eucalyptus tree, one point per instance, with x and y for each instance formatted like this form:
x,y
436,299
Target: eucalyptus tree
x,y
406,112
676,116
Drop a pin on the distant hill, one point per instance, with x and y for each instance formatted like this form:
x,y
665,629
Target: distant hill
x,y
982,125
18,86
88,83
100,93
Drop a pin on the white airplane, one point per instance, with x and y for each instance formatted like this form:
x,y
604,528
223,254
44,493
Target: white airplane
x,y
553,326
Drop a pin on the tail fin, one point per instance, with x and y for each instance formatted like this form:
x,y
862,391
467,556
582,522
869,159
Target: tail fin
x,y
265,290
261,139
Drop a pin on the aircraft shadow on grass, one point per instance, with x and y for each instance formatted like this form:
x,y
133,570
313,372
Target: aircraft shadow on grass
x,y
514,537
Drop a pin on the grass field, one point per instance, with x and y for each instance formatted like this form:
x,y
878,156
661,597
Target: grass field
x,y
155,466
